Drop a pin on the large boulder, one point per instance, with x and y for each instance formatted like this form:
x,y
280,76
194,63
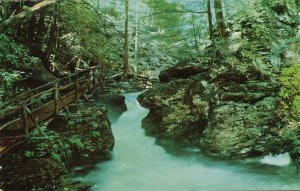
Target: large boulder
x,y
171,116
224,114
182,70
240,129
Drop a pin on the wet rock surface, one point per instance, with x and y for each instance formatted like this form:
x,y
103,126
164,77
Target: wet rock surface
x,y
182,70
114,101
226,115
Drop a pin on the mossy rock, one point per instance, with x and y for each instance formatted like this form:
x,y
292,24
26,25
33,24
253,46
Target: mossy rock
x,y
236,129
39,174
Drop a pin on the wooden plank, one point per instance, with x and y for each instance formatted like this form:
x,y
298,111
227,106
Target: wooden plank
x,y
65,106
24,119
10,111
67,86
56,99
77,88
17,98
10,124
8,144
14,109
47,110
31,117
38,95
27,95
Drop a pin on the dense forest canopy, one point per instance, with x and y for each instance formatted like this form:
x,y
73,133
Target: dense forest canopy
x,y
160,33
223,76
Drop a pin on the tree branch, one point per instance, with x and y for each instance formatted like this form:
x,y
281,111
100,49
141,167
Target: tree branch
x,y
100,16
23,15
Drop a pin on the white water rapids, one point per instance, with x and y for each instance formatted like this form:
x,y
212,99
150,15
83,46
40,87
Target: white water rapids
x,y
140,165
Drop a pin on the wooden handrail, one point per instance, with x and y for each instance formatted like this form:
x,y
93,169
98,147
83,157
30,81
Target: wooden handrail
x,y
27,95
4,127
28,109
31,99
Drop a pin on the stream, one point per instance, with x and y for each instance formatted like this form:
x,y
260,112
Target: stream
x,y
138,164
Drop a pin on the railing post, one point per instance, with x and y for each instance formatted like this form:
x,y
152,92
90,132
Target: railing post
x,y
69,77
91,80
94,80
24,117
77,87
56,91
90,85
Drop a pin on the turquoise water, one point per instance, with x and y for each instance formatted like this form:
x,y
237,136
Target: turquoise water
x,y
138,164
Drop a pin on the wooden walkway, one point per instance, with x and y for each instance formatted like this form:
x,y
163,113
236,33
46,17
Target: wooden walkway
x,y
23,113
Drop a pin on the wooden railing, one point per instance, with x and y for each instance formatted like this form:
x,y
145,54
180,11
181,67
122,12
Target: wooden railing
x,y
23,113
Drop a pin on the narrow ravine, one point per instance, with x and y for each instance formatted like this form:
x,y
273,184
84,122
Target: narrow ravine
x,y
140,165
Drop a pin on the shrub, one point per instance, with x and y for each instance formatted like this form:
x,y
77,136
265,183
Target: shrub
x,y
290,91
46,143
15,56
15,63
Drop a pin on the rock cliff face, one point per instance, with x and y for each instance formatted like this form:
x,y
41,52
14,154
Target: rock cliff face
x,y
226,101
228,115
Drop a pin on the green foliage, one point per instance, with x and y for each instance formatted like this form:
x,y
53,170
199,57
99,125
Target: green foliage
x,y
291,134
251,23
76,142
296,105
47,143
90,35
15,60
290,91
166,18
81,138
283,6
15,56
172,32
83,146
86,132
9,77
287,45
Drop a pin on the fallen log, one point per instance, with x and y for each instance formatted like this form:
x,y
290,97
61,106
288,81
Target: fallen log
x,y
23,15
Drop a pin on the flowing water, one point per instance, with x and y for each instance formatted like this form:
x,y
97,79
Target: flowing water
x,y
138,164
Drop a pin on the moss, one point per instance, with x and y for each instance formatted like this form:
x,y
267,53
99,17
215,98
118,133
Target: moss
x,y
291,135
42,163
290,109
290,91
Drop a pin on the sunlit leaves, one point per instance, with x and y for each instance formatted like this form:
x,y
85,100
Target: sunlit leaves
x,y
290,90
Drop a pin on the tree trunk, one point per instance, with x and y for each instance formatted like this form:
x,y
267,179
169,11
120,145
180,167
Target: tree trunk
x,y
98,5
195,36
52,37
126,45
136,58
210,23
31,29
220,18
